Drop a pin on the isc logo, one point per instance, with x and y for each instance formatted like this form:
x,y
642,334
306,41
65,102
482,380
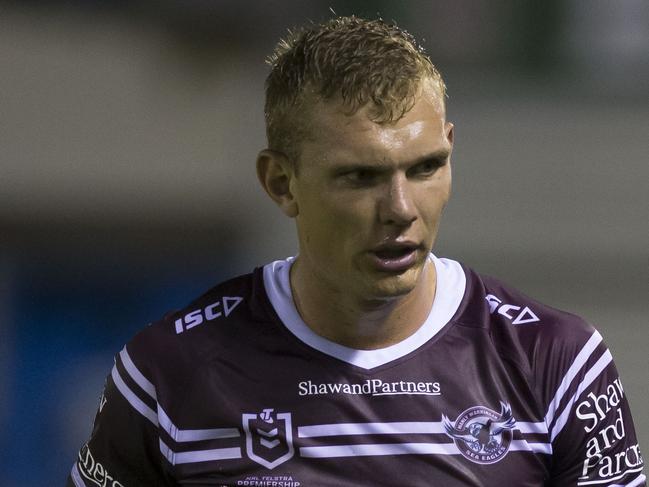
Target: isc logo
x,y
511,312
209,313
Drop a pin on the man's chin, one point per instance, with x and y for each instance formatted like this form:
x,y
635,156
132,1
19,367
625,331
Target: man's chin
x,y
395,286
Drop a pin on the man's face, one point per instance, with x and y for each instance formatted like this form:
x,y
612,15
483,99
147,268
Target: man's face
x,y
370,197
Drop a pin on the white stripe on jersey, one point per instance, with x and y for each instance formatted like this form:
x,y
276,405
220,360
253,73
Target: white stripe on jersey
x,y
176,458
335,451
381,449
590,376
525,427
522,445
162,419
580,360
414,427
343,429
407,449
312,431
637,481
137,376
132,398
182,436
76,478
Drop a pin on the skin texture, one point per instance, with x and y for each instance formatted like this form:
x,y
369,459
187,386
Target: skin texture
x,y
360,185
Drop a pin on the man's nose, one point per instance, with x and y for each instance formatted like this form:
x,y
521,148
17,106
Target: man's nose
x,y
397,206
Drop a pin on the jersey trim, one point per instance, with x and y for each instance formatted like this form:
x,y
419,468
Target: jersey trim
x,y
634,483
406,427
161,418
132,398
76,477
580,360
137,376
177,458
185,436
343,432
451,285
590,376
637,481
382,449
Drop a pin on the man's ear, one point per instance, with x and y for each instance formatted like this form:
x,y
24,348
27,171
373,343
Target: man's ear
x,y
449,129
275,172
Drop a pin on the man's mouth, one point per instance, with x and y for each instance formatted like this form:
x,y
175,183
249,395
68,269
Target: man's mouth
x,y
395,257
393,253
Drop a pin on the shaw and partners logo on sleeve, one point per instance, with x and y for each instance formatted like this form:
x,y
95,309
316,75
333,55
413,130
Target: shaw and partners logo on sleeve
x,y
94,471
606,460
370,387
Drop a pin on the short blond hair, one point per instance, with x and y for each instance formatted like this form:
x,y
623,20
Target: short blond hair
x,y
356,60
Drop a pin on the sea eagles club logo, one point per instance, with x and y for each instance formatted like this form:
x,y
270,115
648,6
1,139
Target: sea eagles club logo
x,y
269,437
481,434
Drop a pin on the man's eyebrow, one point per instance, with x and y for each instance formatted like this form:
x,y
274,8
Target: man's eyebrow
x,y
341,168
439,157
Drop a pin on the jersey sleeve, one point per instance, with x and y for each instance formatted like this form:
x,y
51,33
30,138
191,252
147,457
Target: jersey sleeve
x,y
123,449
588,417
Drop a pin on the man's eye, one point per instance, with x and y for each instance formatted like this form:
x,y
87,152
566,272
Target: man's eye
x,y
427,167
360,176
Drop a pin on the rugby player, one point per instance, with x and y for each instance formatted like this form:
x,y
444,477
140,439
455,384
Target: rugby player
x,y
365,360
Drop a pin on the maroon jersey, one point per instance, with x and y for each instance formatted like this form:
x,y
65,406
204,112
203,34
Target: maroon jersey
x,y
236,390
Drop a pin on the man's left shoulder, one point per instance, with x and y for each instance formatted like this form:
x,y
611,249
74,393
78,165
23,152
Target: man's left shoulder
x,y
514,321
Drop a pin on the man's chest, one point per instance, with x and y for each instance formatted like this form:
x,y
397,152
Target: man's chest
x,y
456,420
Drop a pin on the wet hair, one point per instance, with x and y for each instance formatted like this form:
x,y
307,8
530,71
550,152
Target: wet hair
x,y
353,60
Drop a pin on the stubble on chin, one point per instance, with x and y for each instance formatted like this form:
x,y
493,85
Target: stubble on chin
x,y
390,287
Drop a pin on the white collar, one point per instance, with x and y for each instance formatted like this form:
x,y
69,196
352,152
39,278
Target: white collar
x,y
451,284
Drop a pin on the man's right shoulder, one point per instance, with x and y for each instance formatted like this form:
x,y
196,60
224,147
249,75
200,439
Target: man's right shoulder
x,y
183,339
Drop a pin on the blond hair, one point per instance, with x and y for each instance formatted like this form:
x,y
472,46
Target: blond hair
x,y
355,60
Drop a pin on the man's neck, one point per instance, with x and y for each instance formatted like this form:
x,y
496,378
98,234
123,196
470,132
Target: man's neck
x,y
364,324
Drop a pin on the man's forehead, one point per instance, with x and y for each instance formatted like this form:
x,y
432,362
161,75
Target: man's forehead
x,y
333,130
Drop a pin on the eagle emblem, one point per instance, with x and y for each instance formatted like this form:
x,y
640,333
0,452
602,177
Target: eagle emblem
x,y
481,434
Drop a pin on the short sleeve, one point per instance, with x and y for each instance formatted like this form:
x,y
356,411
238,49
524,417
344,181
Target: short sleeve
x,y
589,421
123,449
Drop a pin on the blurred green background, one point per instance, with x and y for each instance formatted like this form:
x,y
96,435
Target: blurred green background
x,y
128,135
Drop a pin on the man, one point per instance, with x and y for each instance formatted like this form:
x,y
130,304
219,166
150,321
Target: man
x,y
364,360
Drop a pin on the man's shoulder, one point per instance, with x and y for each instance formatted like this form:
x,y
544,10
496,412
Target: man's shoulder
x,y
508,304
501,304
545,345
212,322
513,319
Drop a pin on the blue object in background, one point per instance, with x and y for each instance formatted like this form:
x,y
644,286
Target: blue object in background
x,y
65,325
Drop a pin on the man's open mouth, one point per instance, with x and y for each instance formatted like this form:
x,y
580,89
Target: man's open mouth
x,y
394,253
395,257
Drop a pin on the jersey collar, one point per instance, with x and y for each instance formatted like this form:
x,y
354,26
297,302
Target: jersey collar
x,y
450,288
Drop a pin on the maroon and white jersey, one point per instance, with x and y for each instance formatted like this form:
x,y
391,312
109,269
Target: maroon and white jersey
x,y
236,390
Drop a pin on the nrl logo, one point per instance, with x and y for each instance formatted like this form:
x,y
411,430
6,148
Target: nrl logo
x,y
481,434
269,437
